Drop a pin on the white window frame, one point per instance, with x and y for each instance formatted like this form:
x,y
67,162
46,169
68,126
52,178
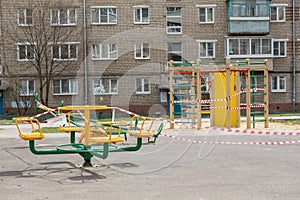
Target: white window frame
x,y
173,29
59,18
26,17
250,54
280,41
138,10
26,91
206,84
277,82
72,90
97,51
278,7
98,22
206,7
207,42
174,52
142,86
99,87
26,44
60,45
143,54
163,96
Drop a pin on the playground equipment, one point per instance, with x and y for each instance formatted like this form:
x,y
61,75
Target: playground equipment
x,y
96,138
224,100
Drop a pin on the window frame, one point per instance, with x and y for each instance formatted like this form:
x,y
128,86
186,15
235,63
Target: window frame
x,y
59,18
27,91
70,82
142,86
278,6
26,45
99,55
206,42
279,41
249,46
25,16
175,52
206,7
100,84
140,8
108,22
141,47
60,45
278,79
169,28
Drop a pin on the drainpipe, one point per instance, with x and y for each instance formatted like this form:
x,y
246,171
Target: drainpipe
x,y
85,55
294,58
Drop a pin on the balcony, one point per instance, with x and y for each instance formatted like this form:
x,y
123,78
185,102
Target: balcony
x,y
249,18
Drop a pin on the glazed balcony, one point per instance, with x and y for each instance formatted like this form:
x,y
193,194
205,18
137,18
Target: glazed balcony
x,y
249,18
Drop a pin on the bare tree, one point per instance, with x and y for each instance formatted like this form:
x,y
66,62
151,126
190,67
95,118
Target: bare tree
x,y
45,36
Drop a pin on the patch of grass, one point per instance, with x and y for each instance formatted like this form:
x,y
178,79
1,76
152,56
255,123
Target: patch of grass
x,y
284,114
289,122
50,130
6,122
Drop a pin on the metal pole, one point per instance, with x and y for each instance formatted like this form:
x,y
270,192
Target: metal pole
x,y
85,55
294,58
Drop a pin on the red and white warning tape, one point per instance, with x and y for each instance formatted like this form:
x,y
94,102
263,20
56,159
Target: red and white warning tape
x,y
232,143
216,100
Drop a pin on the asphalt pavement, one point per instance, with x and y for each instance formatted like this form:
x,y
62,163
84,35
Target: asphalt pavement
x,y
169,169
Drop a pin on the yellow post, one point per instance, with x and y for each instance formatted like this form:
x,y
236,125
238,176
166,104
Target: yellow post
x,y
238,98
199,109
266,96
228,93
248,97
193,110
87,127
171,98
211,96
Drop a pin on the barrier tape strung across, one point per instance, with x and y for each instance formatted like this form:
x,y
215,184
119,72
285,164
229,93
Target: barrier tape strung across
x,y
216,100
231,143
225,130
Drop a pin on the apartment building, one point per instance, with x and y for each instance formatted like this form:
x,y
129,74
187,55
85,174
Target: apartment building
x,y
115,52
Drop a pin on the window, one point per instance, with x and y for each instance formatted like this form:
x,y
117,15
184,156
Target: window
x,y
277,13
206,13
142,51
26,52
175,52
104,51
249,47
205,84
104,15
105,86
65,51
141,15
63,17
25,17
142,86
65,87
27,88
163,96
206,49
250,8
253,82
278,84
174,20
279,48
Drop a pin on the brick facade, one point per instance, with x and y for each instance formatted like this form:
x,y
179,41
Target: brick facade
x,y
126,34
